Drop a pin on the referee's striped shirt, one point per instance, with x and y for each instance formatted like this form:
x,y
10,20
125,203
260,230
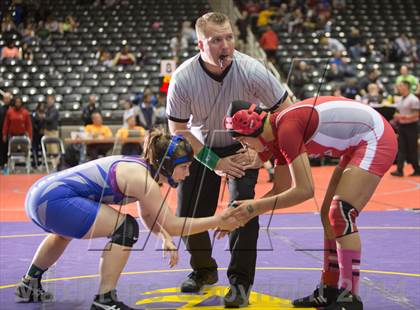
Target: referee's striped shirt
x,y
197,96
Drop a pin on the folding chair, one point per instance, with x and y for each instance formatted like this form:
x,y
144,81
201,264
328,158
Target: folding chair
x,y
52,151
19,152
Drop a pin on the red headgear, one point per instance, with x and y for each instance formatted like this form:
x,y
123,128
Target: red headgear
x,y
244,119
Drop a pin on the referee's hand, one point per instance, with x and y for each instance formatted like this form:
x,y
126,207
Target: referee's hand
x,y
230,167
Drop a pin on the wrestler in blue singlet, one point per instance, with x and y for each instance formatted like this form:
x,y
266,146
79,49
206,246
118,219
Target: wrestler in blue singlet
x,y
66,202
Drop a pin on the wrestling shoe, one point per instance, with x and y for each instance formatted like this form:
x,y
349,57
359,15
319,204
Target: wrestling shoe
x,y
323,296
237,296
31,291
346,301
108,301
197,279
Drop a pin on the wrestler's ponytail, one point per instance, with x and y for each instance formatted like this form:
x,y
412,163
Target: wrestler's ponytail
x,y
163,157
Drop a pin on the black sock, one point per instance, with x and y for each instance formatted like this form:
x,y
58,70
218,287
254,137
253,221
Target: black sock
x,y
35,272
106,297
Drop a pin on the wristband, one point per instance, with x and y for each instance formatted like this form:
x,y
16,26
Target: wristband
x,y
207,157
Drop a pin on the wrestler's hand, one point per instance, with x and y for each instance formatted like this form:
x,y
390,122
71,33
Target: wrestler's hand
x,y
250,159
230,167
243,210
169,249
226,221
219,234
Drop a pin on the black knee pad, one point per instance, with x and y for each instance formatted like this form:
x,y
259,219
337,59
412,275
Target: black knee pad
x,y
128,232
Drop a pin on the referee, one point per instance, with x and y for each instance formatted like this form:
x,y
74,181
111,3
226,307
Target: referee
x,y
199,94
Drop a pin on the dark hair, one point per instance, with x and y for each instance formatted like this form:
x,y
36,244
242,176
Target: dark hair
x,y
406,83
40,106
13,101
156,147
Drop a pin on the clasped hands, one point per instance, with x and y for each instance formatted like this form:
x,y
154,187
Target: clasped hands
x,y
234,166
237,215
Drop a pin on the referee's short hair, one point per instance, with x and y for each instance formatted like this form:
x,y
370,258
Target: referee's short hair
x,y
211,17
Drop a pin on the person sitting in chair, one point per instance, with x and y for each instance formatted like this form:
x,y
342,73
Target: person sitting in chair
x,y
132,131
97,131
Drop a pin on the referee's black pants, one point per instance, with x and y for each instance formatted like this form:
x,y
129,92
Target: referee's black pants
x,y
198,197
407,146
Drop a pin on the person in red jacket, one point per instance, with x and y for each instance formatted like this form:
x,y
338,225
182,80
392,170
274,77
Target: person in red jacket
x,y
17,121
269,42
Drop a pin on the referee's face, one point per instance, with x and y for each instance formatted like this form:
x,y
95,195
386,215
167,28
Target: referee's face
x,y
218,45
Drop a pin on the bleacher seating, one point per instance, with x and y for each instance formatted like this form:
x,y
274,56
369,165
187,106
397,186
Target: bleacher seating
x,y
380,20
66,64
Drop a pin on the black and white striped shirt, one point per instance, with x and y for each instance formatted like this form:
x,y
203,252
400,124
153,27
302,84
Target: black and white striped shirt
x,y
197,96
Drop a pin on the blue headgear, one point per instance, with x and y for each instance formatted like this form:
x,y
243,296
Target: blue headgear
x,y
167,163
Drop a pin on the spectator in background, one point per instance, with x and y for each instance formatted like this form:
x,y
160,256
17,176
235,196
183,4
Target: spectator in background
x,y
299,78
242,24
7,99
403,46
406,76
99,53
52,24
18,11
335,74
371,53
334,45
188,32
343,64
28,34
42,31
269,42
252,9
97,131
147,113
371,78
38,127
129,111
373,97
336,91
17,121
350,89
354,43
178,44
89,109
386,50
124,57
160,110
416,50
310,21
51,123
156,25
323,10
264,17
131,131
296,22
27,53
7,25
106,59
407,117
69,24
10,51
